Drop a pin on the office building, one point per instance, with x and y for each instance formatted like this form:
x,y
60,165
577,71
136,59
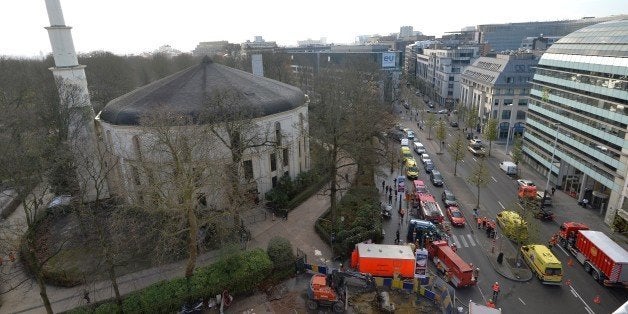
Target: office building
x,y
577,119
503,37
499,87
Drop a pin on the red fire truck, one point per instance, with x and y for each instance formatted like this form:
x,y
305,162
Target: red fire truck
x,y
457,271
429,208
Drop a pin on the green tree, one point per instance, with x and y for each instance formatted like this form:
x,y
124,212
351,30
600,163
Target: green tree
x,y
517,151
471,119
491,132
430,122
479,177
457,149
441,134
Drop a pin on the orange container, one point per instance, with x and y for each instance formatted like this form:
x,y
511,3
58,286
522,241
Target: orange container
x,y
382,260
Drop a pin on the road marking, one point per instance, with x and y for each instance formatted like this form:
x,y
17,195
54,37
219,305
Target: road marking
x,y
474,159
471,240
494,179
456,241
464,242
561,248
500,204
520,206
522,301
577,295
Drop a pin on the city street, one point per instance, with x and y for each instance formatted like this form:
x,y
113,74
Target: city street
x,y
500,194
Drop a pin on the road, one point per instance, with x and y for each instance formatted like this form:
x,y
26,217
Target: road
x,y
500,194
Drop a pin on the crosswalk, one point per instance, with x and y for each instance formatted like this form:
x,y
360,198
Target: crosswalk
x,y
463,240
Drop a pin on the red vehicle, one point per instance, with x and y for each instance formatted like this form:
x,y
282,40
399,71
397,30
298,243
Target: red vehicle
x,y
429,208
604,259
383,260
457,271
455,216
418,187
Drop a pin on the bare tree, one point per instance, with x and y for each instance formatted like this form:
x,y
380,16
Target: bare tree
x,y
430,123
479,177
457,150
441,134
517,150
491,132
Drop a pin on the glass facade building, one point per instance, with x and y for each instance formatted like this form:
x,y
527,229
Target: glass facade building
x,y
578,111
509,36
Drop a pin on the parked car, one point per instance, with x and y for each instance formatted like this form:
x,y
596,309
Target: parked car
x,y
525,182
455,216
436,178
387,211
428,165
453,124
509,167
424,157
430,104
401,184
443,111
419,148
449,199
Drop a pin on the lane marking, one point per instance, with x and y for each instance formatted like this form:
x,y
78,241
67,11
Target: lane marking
x,y
586,306
471,240
464,242
520,206
474,159
500,204
561,248
522,301
494,179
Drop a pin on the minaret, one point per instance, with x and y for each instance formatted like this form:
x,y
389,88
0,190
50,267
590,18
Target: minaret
x,y
72,86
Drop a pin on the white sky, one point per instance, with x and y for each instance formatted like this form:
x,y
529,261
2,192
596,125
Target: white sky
x,y
135,26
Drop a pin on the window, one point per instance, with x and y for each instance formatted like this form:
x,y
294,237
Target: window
x,y
505,114
522,102
521,115
451,85
273,162
496,102
450,93
451,78
507,102
248,169
285,158
278,133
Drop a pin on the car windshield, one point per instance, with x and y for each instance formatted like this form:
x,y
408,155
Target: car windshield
x,y
437,176
450,197
455,213
413,169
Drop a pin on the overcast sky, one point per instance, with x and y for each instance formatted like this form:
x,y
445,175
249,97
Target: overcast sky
x,y
135,26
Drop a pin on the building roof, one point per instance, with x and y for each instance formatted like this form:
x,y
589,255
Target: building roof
x,y
188,93
602,39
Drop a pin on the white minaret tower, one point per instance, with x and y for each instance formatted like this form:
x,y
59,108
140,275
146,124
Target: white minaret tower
x,y
75,103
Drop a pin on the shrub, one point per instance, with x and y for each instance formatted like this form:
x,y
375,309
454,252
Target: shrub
x,y
280,252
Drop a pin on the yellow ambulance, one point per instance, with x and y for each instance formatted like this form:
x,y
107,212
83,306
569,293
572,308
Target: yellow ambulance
x,y
543,263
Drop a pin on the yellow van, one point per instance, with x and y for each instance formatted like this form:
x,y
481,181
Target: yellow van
x,y
542,262
412,171
405,153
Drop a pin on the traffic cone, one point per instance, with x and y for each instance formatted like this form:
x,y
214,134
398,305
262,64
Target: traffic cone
x,y
568,282
597,300
570,262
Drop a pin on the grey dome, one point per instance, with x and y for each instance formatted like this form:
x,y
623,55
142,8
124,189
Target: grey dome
x,y
185,93
608,39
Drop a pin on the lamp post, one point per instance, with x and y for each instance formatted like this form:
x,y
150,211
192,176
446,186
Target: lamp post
x,y
549,168
508,139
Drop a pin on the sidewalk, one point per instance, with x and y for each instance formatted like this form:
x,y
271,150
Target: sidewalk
x,y
299,229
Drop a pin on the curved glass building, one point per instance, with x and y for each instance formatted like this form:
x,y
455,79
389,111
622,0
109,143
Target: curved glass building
x,y
578,113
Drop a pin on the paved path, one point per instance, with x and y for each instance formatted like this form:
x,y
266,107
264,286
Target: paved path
x,y
299,229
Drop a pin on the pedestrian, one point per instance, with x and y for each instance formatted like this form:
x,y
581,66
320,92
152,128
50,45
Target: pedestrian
x,y
475,213
490,303
476,274
395,182
495,290
397,237
285,217
389,198
383,184
553,190
396,193
86,296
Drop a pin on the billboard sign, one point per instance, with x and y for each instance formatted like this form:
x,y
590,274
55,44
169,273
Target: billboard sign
x,y
388,59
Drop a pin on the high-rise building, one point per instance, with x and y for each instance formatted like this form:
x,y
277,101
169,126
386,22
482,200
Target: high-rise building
x,y
406,31
503,37
499,87
577,121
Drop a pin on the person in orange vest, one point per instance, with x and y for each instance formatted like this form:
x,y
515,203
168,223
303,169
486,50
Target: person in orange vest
x,y
495,290
490,303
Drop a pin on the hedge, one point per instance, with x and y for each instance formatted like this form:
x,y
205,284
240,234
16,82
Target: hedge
x,y
238,273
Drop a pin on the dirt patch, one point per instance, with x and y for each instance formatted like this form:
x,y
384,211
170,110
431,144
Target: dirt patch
x,y
405,302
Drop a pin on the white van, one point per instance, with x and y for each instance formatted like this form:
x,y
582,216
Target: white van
x,y
509,167
405,142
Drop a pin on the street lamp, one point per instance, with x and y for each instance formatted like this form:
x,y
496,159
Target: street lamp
x,y
508,139
549,168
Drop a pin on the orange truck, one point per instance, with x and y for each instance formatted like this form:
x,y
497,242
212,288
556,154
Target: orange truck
x,y
383,260
604,259
457,271
529,192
